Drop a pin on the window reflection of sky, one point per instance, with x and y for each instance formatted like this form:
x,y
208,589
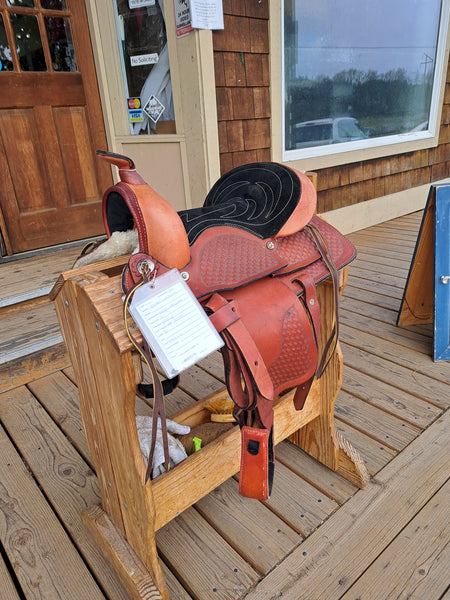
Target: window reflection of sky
x,y
390,34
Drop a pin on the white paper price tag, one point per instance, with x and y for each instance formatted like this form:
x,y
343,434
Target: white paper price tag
x,y
173,322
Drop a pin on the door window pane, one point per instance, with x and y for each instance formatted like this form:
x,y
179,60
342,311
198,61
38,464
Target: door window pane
x,y
21,3
60,44
28,43
54,4
358,70
5,52
145,65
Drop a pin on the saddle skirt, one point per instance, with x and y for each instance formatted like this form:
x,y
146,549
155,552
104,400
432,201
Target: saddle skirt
x,y
253,255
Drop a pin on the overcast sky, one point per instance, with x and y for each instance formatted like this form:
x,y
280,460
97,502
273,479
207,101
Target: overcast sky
x,y
336,35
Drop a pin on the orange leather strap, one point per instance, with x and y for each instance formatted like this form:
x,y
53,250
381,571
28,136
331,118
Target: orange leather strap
x,y
255,474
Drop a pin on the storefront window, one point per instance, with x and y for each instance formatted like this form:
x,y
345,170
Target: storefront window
x,y
360,74
145,65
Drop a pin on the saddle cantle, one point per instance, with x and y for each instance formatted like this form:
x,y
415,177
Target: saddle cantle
x,y
253,255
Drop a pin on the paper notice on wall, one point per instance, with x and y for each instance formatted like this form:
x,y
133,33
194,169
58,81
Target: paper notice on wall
x,y
207,14
183,23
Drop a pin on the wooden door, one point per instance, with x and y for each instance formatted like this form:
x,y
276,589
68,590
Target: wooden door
x,y
51,182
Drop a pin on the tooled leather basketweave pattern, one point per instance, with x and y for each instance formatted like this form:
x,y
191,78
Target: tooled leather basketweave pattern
x,y
296,357
299,249
232,259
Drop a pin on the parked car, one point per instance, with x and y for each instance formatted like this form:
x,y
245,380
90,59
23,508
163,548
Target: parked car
x,y
322,132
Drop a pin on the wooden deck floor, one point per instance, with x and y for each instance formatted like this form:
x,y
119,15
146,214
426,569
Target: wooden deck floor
x,y
318,537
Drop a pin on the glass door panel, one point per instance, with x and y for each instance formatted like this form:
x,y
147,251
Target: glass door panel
x,y
145,66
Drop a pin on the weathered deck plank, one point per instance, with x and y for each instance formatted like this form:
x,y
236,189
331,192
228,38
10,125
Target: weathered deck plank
x,y
393,400
338,553
375,453
259,536
46,563
386,331
328,482
380,425
7,588
68,482
412,360
207,566
416,564
22,280
403,377
38,327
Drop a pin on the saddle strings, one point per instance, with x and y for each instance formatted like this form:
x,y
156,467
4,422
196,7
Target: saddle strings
x,y
331,344
158,404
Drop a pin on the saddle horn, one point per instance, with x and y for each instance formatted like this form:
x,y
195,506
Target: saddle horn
x,y
132,203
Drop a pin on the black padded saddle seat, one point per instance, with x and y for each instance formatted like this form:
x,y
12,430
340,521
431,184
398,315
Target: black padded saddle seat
x,y
257,197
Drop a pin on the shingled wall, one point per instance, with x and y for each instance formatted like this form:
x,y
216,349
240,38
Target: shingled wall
x,y
241,59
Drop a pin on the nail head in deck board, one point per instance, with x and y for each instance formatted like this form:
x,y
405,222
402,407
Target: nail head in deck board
x,y
202,560
341,550
416,564
46,563
70,486
248,526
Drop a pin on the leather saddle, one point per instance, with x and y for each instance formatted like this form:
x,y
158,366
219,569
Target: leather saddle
x,y
253,255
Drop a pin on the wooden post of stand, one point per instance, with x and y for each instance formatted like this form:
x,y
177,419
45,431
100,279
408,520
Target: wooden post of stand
x,y
319,437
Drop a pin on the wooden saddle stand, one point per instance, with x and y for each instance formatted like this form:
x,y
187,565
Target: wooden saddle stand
x,y
268,272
